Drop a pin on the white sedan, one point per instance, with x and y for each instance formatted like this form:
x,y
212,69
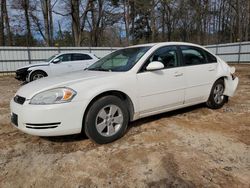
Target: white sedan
x,y
126,85
55,65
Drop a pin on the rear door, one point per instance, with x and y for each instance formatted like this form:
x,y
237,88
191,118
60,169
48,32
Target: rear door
x,y
163,89
81,61
200,72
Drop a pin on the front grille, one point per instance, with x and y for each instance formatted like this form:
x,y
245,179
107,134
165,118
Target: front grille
x,y
52,127
42,125
18,99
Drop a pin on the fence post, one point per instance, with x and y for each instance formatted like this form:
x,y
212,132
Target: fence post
x,y
29,58
239,53
216,52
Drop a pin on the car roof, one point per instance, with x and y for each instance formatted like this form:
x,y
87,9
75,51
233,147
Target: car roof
x,y
164,43
87,53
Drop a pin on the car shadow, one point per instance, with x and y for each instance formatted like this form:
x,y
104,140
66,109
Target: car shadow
x,y
67,138
82,136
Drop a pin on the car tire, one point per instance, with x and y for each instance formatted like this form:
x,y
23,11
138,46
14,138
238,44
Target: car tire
x,y
216,99
106,120
37,75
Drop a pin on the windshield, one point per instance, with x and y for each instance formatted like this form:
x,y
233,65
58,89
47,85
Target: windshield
x,y
120,60
50,58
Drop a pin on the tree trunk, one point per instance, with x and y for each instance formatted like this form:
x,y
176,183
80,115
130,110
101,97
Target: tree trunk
x,y
126,19
92,8
247,22
163,20
98,31
96,22
44,4
26,13
132,12
48,21
75,22
6,20
238,21
51,28
2,38
152,23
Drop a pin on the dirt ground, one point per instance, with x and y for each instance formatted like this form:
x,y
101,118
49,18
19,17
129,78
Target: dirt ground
x,y
192,147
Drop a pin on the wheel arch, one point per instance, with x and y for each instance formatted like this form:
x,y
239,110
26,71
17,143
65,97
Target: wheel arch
x,y
36,70
123,96
225,85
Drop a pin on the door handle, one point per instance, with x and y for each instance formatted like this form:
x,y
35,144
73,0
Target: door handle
x,y
211,69
176,74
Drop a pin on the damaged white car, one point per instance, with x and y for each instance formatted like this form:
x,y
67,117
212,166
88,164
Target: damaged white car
x,y
126,85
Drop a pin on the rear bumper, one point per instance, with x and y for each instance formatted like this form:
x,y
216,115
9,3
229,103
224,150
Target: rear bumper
x,y
231,86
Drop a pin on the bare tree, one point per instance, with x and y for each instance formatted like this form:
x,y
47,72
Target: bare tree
x,y
126,19
4,23
24,5
96,10
2,37
48,21
76,28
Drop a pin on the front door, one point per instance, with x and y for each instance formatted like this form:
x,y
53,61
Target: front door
x,y
163,89
63,66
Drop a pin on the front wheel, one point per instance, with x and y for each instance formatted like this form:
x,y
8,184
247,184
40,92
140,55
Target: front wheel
x,y
37,75
106,120
217,99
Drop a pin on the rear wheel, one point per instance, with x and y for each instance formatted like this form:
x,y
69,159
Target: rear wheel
x,y
37,75
217,99
106,120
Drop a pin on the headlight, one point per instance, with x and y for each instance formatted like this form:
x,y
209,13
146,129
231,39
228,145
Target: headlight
x,y
54,96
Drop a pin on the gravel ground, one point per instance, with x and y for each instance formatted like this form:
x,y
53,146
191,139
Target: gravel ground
x,y
192,147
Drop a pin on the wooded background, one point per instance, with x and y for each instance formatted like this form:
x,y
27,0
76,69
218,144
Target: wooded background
x,y
122,22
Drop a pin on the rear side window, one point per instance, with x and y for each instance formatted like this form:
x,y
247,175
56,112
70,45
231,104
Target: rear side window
x,y
193,56
210,58
78,57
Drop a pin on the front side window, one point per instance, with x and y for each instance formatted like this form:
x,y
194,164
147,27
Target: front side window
x,y
192,55
50,58
79,57
120,60
168,56
65,57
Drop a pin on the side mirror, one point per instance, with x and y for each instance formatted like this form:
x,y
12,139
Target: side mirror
x,y
154,65
57,60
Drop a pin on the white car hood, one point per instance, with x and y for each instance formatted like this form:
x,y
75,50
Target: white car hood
x,y
32,88
35,65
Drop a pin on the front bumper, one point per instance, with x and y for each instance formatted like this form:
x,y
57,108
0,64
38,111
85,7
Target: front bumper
x,y
22,74
48,120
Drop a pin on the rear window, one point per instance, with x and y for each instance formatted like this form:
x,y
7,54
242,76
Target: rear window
x,y
78,57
